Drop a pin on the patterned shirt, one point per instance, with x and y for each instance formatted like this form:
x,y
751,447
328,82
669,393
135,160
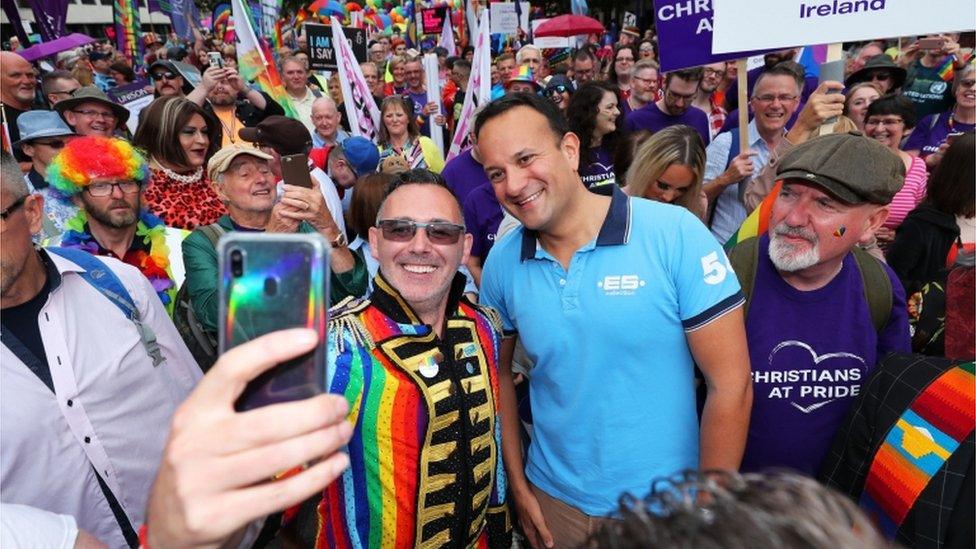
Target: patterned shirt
x,y
182,205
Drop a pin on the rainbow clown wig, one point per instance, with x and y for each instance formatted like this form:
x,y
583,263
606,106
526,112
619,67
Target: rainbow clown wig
x,y
85,159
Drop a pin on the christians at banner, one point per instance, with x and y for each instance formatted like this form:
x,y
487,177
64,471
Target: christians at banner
x,y
321,50
795,23
684,30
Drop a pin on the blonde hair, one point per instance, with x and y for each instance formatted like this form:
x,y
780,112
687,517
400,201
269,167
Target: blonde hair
x,y
678,144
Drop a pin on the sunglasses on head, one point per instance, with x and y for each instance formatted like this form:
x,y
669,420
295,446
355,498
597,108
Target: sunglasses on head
x,y
403,230
165,76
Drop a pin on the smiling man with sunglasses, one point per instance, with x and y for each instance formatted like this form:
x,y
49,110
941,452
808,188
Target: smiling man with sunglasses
x,y
417,363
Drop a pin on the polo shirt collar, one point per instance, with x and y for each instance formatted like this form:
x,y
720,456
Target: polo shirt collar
x,y
615,230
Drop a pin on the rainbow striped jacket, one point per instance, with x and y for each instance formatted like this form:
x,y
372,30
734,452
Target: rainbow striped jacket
x,y
426,467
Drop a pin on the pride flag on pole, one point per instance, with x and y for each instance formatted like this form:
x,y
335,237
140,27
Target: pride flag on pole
x,y
447,36
127,30
253,59
758,221
479,88
361,109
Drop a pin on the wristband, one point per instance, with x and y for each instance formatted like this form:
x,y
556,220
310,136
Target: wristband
x,y
144,536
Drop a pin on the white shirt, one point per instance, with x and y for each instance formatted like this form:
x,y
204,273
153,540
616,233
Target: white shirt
x,y
303,108
110,409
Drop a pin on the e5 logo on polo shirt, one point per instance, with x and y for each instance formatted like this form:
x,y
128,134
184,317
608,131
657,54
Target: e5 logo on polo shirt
x,y
620,284
714,271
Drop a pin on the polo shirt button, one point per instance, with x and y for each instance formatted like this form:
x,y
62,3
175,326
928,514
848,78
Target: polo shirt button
x,y
87,440
71,402
562,281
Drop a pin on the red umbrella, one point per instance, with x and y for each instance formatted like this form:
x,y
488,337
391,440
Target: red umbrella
x,y
569,25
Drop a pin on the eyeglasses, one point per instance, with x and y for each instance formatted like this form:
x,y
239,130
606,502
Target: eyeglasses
x,y
880,76
65,92
768,99
106,189
712,72
17,204
676,96
883,122
967,83
165,76
54,143
403,230
108,115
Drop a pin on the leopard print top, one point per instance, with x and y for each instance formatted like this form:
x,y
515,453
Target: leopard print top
x,y
182,205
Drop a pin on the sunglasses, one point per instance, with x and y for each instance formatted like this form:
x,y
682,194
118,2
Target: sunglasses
x,y
54,143
168,76
438,232
556,90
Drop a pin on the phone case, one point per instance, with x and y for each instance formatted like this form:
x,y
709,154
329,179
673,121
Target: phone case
x,y
294,170
277,281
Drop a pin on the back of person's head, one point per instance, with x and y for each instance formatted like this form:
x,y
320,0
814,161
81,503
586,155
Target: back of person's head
x,y
160,124
365,202
679,144
950,188
726,510
12,180
791,69
894,104
545,107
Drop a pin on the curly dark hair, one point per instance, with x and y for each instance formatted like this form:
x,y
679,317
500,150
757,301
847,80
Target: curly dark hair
x,y
612,77
584,105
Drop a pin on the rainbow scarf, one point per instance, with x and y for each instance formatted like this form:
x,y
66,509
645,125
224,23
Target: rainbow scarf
x,y
947,71
149,252
758,221
918,445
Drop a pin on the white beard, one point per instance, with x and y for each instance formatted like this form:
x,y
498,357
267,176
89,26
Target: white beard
x,y
788,258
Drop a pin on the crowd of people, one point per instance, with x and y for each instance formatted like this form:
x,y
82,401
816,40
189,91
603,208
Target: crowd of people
x,y
801,296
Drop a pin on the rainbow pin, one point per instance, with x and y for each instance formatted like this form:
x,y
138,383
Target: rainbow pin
x,y
840,231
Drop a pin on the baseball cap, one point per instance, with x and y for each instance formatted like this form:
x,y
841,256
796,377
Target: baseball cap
x,y
361,153
849,166
284,135
221,160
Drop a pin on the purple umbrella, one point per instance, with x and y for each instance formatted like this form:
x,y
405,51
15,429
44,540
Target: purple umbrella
x,y
45,49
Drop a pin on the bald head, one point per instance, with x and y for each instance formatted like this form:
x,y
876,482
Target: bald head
x,y
325,117
17,81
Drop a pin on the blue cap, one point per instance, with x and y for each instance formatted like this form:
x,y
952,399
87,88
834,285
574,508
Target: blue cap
x,y
361,153
39,124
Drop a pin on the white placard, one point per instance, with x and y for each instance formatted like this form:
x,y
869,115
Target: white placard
x,y
548,41
434,94
504,19
787,23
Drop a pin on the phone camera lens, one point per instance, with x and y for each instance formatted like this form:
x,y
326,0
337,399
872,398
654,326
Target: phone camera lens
x,y
236,263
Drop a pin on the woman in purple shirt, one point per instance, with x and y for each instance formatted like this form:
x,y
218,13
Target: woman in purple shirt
x,y
592,114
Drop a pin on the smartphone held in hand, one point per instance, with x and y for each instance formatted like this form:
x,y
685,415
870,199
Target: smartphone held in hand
x,y
272,282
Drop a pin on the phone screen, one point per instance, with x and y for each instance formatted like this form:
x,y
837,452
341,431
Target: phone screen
x,y
272,282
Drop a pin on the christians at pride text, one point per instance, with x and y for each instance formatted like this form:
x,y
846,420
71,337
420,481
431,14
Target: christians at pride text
x,y
689,7
840,8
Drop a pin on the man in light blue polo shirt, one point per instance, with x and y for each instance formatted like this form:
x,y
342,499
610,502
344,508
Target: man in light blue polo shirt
x,y
614,299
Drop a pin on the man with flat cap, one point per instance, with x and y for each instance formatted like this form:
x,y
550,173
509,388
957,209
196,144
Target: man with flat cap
x,y
820,311
90,112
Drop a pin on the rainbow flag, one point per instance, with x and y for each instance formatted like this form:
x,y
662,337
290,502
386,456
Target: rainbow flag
x,y
221,21
758,221
253,59
948,70
127,30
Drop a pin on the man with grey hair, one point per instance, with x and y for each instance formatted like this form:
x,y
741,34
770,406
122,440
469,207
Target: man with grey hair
x,y
104,391
531,56
325,120
820,311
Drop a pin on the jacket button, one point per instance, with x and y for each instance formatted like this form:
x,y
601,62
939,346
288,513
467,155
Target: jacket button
x,y
87,440
71,402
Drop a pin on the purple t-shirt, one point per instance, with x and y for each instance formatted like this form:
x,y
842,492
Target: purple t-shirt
x,y
463,174
596,168
419,100
810,352
931,131
482,215
653,119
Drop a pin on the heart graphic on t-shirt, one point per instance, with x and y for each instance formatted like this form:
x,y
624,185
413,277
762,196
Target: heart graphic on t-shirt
x,y
828,393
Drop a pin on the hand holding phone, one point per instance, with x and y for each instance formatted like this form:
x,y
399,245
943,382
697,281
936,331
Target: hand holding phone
x,y
931,44
271,282
294,170
216,60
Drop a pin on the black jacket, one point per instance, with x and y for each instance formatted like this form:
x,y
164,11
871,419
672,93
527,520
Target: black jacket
x,y
922,243
248,114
